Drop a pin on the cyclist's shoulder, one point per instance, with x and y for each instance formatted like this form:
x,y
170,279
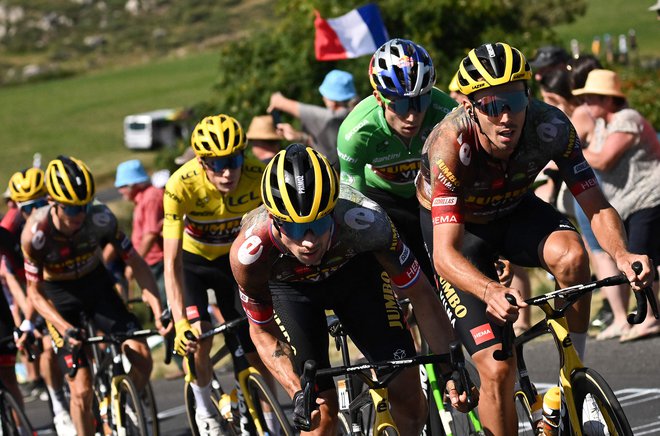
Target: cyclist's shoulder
x,y
100,217
441,105
548,127
187,175
252,168
359,217
37,230
253,242
363,122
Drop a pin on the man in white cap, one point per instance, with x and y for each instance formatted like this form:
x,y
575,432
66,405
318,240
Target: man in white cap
x,y
320,125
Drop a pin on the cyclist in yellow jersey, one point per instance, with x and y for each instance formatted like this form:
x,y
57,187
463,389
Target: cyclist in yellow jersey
x,y
204,202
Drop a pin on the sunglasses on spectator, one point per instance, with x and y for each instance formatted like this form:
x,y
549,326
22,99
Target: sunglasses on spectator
x,y
73,210
297,231
495,105
28,206
217,164
402,106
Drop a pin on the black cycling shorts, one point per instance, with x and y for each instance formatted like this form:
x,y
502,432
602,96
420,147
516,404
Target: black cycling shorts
x,y
361,296
201,274
643,230
515,237
404,213
93,295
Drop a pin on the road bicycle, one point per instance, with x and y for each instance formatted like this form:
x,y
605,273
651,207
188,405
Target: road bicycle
x,y
588,406
119,408
13,421
364,407
252,398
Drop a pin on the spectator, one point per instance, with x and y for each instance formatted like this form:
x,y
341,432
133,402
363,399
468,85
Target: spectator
x,y
134,184
262,137
626,151
320,124
548,58
580,67
656,8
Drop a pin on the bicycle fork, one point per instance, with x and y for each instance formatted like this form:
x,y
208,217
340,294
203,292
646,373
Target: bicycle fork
x,y
383,418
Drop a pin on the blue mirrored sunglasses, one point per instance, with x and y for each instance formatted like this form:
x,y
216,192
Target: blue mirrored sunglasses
x,y
28,206
495,105
217,164
401,106
70,210
297,231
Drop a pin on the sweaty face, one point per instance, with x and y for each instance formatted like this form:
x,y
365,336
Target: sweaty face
x,y
501,112
310,249
406,124
70,221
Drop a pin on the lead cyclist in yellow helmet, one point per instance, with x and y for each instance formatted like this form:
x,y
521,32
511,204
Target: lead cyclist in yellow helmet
x,y
65,275
475,186
312,247
204,202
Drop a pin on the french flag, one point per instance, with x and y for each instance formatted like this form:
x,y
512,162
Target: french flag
x,y
357,33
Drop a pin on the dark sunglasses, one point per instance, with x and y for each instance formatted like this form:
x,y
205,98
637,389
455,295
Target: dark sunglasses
x,y
297,231
28,206
70,210
401,106
217,164
495,105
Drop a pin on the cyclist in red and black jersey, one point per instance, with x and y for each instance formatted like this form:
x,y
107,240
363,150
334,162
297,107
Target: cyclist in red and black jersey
x,y
478,166
311,248
62,250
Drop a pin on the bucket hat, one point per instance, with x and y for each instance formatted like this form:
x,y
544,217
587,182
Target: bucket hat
x,y
262,129
130,172
338,86
601,82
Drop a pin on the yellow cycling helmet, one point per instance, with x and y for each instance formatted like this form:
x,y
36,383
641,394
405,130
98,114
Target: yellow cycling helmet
x,y
218,136
491,65
299,185
27,185
453,85
69,181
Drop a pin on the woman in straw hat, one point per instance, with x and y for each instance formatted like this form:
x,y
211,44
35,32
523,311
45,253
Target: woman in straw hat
x,y
626,151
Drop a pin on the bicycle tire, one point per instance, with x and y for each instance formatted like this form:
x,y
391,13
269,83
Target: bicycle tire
x,y
189,399
389,431
606,418
259,391
13,416
130,409
343,424
150,409
523,411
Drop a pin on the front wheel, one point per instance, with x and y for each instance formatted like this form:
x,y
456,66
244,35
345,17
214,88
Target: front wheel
x,y
226,427
150,409
131,415
13,420
270,415
597,407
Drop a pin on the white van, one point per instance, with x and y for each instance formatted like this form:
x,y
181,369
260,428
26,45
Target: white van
x,y
153,129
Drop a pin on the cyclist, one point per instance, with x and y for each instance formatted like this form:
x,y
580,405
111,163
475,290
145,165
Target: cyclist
x,y
380,142
65,277
478,168
28,190
204,202
314,247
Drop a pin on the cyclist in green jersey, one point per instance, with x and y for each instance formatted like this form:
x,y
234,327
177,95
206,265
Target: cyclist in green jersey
x,y
380,142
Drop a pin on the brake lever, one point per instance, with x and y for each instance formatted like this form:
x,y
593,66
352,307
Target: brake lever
x,y
642,297
462,381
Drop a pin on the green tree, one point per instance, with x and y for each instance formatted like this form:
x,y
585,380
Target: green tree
x,y
281,56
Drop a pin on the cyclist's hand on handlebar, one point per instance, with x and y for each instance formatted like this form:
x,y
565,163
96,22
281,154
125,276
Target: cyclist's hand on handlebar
x,y
504,271
73,338
459,400
637,281
497,306
300,421
182,343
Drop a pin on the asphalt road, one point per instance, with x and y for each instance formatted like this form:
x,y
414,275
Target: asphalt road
x,y
632,370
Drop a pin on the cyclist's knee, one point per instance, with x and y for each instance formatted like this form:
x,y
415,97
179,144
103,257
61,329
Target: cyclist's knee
x,y
568,260
81,394
495,375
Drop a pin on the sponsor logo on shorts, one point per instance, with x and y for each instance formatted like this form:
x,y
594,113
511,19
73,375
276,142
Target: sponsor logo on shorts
x,y
192,312
481,334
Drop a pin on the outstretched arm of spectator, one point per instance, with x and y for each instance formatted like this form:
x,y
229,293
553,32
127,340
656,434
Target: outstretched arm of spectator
x,y
281,103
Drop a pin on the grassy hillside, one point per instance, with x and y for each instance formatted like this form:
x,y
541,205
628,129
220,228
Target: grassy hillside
x,y
615,17
83,116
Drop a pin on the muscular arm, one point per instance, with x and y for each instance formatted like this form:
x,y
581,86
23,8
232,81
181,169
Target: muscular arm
x,y
173,274
148,240
45,307
608,228
145,279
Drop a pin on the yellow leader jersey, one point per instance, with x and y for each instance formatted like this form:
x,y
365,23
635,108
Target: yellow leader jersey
x,y
207,220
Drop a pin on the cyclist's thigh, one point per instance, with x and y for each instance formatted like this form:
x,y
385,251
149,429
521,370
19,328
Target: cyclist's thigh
x,y
300,314
643,229
364,301
7,351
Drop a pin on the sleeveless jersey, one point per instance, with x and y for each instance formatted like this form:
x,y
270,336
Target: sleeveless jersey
x,y
207,220
360,226
371,154
53,256
459,182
